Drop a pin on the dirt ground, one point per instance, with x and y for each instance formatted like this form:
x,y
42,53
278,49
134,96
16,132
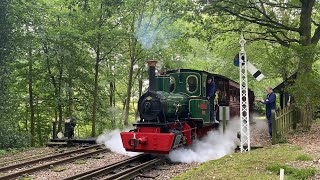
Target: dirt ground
x,y
310,141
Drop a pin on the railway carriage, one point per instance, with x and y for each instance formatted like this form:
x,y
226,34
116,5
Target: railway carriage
x,y
175,111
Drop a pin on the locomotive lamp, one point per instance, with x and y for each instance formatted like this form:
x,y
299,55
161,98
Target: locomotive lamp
x,y
152,74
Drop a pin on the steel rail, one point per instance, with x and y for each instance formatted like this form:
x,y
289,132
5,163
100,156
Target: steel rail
x,y
108,169
25,158
6,168
44,166
134,171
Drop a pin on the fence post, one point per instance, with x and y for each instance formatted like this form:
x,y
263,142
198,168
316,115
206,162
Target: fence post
x,y
295,118
285,120
274,126
289,119
224,118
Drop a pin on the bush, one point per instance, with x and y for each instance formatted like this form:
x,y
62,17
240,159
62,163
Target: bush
x,y
12,137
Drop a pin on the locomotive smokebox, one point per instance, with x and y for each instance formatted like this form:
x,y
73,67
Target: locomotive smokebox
x,y
152,74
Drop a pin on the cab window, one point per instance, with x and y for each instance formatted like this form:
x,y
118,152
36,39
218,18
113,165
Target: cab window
x,y
192,83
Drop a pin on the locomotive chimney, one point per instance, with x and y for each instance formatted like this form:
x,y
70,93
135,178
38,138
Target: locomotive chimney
x,y
152,74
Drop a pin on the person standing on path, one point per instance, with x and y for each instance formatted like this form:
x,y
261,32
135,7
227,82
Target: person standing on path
x,y
270,103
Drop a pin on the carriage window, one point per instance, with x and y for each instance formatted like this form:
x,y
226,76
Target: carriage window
x,y
238,95
231,94
192,83
234,94
172,84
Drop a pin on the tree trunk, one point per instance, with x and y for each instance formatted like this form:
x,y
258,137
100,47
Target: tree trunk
x,y
140,83
112,104
132,46
305,21
60,65
39,132
31,105
27,116
306,53
129,87
70,96
53,80
95,92
96,75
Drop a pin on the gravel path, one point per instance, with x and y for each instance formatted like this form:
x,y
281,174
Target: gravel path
x,y
259,133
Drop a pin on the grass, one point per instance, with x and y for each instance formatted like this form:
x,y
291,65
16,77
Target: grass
x,y
250,165
79,161
58,169
292,173
304,157
25,178
99,157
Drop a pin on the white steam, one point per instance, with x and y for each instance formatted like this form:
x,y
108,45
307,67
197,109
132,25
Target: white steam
x,y
213,146
155,29
112,140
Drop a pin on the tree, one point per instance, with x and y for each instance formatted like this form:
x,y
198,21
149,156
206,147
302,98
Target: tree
x,y
289,23
292,24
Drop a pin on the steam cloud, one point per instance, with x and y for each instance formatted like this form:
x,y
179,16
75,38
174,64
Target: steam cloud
x,y
112,140
213,146
155,28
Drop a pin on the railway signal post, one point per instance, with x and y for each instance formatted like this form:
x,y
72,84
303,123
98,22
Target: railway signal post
x,y
244,101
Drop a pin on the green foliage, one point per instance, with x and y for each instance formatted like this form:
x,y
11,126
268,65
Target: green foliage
x,y
306,89
11,137
62,40
7,151
304,157
293,173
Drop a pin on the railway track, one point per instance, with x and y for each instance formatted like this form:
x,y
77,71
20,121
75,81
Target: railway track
x,y
84,152
2,164
38,156
146,162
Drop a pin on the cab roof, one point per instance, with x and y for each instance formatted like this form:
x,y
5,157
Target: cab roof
x,y
200,72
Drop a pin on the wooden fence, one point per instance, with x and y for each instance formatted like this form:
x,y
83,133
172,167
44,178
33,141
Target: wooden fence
x,y
283,121
286,120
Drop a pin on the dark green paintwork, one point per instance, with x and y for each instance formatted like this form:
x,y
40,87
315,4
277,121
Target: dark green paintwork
x,y
172,101
196,112
181,83
180,95
163,83
204,84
